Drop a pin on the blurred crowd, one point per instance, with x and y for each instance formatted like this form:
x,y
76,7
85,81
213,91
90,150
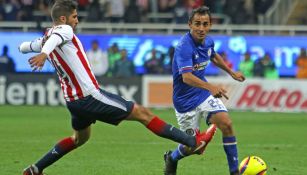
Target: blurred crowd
x,y
264,67
134,11
115,62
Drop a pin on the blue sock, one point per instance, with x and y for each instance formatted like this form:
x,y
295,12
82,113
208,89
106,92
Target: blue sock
x,y
59,150
230,147
179,153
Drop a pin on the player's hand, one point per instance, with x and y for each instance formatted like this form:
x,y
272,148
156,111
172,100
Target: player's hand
x,y
238,76
218,92
37,62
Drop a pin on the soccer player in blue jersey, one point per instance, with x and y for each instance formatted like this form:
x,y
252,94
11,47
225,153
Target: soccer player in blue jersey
x,y
194,97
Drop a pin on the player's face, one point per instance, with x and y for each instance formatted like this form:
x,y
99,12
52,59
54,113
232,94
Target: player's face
x,y
200,26
73,19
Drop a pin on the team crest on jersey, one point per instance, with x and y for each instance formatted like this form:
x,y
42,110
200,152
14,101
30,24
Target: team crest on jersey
x,y
196,56
209,52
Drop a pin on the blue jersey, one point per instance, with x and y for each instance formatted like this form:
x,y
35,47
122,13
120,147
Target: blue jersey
x,y
190,57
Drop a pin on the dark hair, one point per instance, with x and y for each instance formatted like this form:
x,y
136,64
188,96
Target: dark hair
x,y
203,10
62,8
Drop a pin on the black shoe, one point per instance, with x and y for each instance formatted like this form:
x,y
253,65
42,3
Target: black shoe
x,y
235,173
170,165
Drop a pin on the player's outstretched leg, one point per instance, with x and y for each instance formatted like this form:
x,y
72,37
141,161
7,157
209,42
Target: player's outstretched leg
x,y
171,158
58,151
162,129
223,122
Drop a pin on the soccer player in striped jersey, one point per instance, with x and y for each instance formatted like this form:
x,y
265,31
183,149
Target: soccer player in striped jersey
x,y
85,100
194,98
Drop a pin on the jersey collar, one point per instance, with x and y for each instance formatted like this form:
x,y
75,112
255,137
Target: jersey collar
x,y
196,44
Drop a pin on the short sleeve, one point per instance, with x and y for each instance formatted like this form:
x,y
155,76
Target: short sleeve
x,y
65,32
183,56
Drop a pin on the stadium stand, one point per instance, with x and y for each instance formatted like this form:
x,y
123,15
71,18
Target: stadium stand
x,y
154,17
298,14
165,17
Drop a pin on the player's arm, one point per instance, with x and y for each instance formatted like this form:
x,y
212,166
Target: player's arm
x,y
194,81
182,57
38,61
31,46
219,62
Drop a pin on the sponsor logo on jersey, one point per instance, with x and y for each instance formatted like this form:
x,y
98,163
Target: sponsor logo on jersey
x,y
201,66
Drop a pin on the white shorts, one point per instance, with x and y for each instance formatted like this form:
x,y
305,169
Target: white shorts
x,y
190,121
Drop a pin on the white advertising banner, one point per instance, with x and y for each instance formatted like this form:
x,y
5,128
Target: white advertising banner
x,y
266,95
282,95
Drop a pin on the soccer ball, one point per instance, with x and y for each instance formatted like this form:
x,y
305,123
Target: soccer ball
x,y
253,165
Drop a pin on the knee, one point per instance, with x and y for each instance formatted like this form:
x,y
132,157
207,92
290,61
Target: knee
x,y
142,114
226,127
81,140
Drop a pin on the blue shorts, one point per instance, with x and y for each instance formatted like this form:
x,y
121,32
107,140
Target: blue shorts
x,y
103,106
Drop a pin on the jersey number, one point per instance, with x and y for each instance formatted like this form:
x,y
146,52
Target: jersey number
x,y
214,103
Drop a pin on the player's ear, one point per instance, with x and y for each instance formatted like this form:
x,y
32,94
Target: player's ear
x,y
63,19
190,23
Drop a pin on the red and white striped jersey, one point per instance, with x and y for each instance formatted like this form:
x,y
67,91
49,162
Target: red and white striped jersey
x,y
72,66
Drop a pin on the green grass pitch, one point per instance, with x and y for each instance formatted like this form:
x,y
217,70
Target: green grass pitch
x,y
28,132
